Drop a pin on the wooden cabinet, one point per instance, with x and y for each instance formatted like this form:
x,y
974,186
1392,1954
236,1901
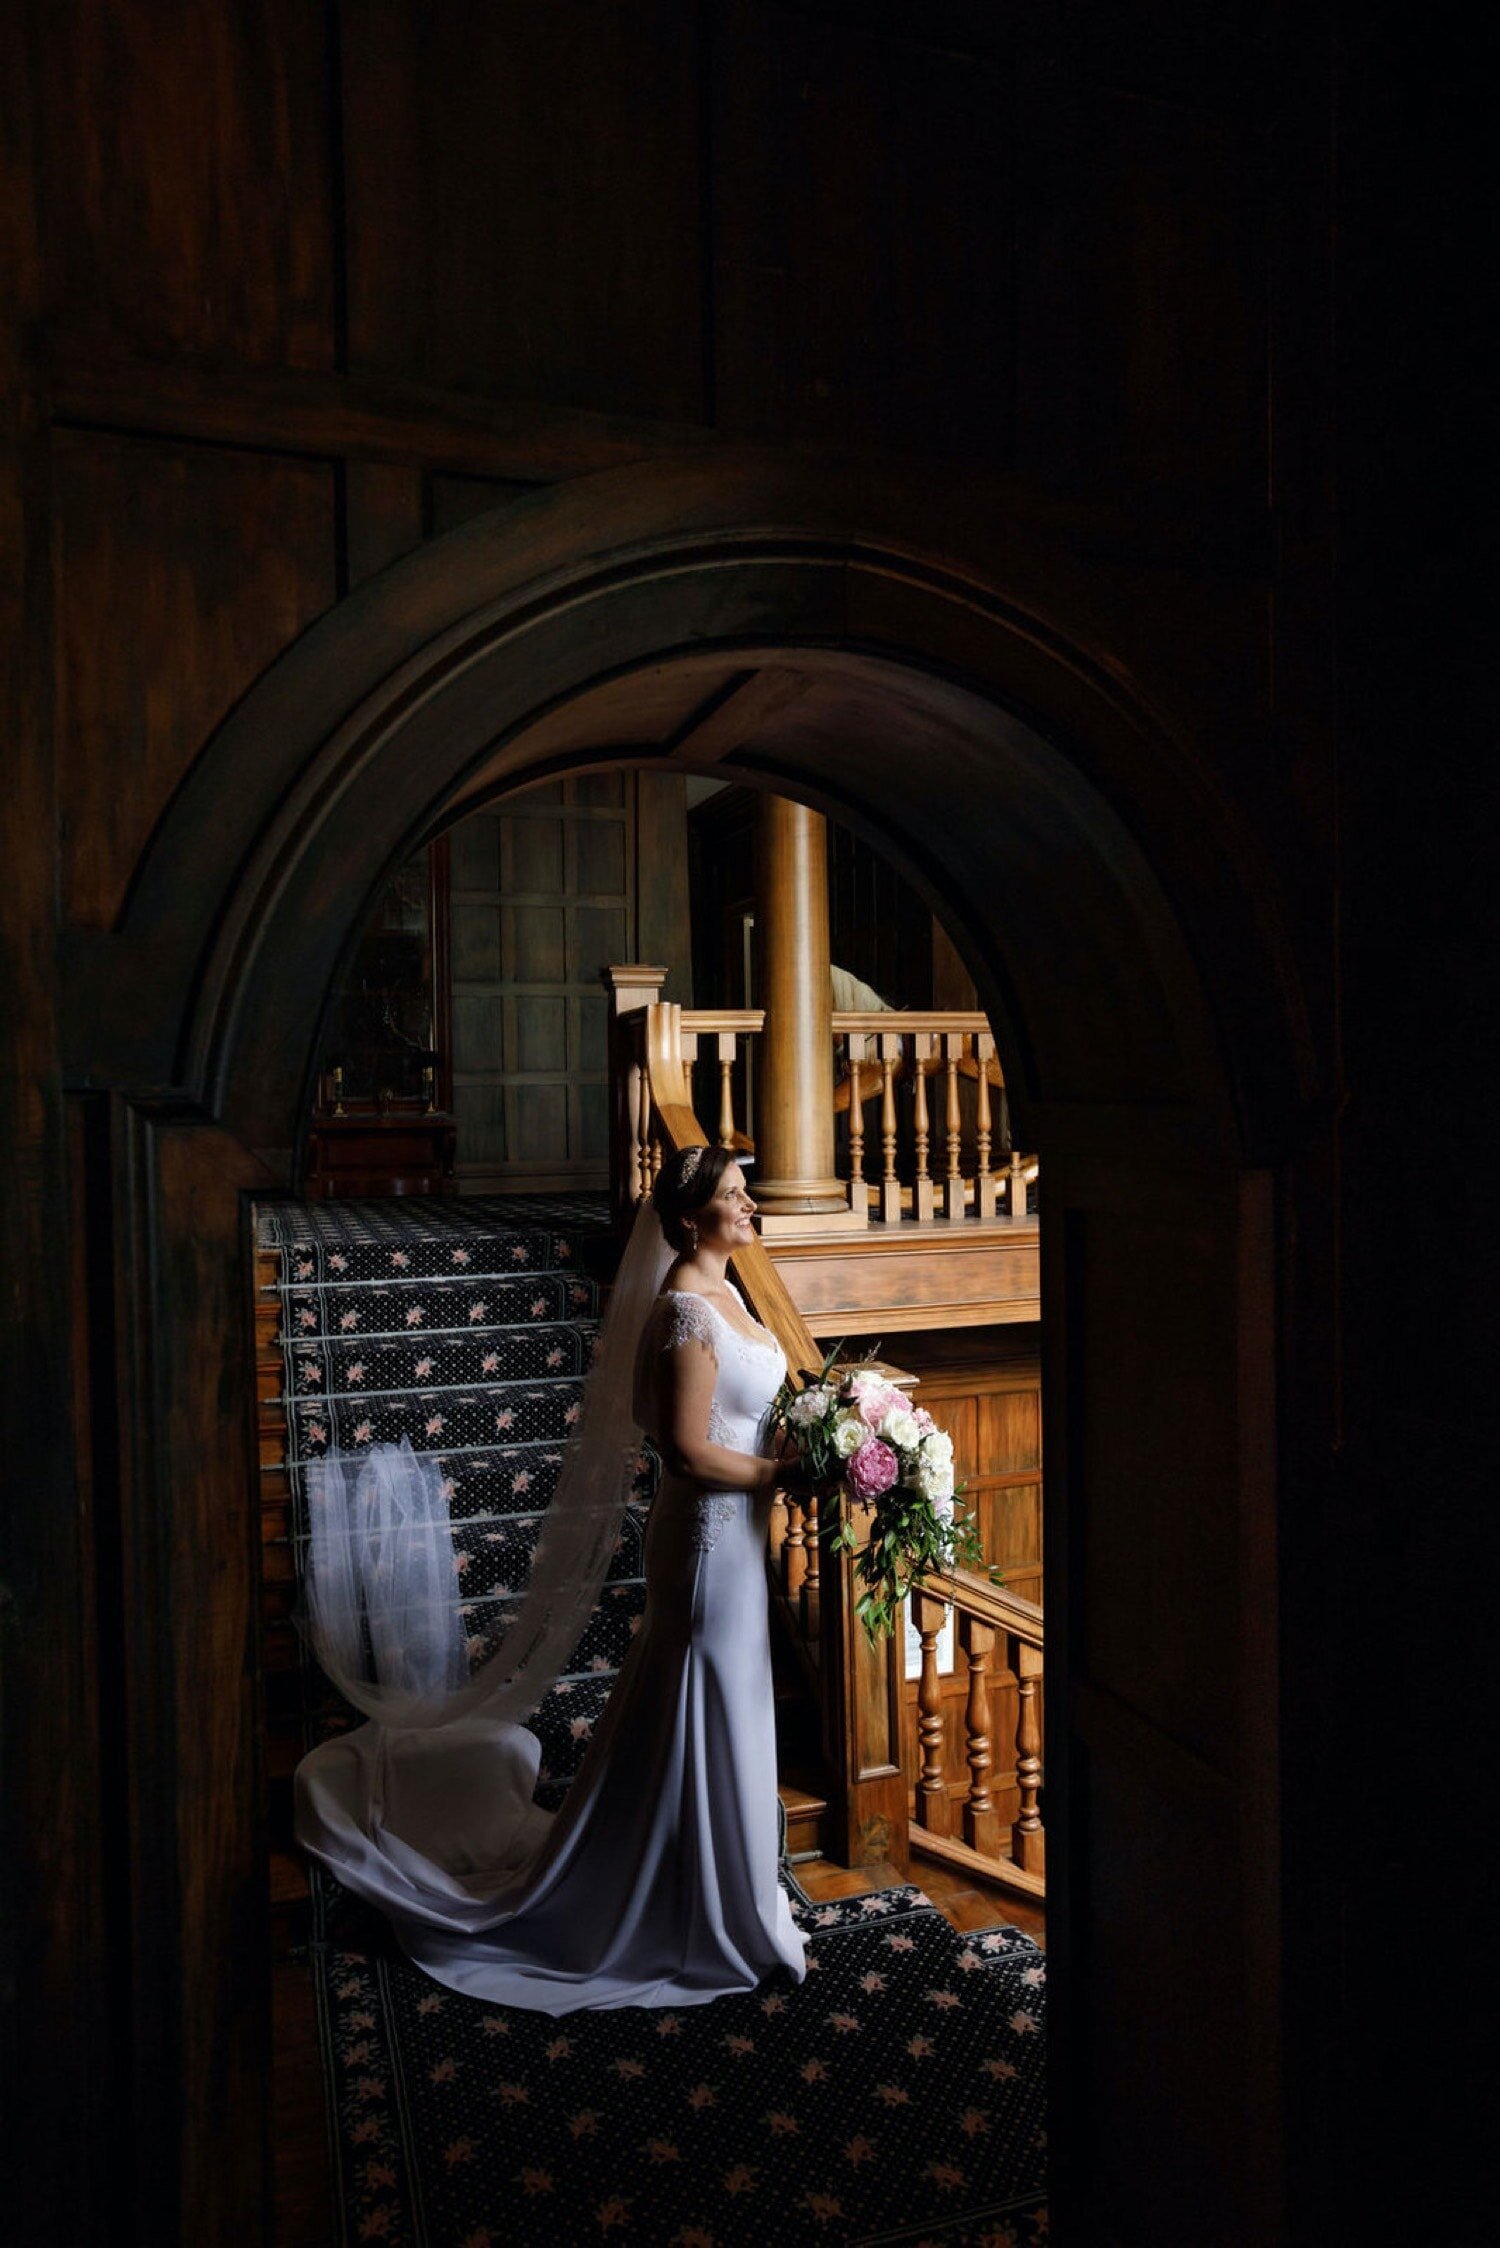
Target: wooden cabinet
x,y
406,1152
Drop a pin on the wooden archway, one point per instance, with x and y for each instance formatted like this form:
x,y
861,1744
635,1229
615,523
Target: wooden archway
x,y
952,684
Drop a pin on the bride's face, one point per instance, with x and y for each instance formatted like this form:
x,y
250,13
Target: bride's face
x,y
724,1222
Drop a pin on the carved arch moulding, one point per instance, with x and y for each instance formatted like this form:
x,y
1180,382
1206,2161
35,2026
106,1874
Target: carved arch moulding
x,y
968,648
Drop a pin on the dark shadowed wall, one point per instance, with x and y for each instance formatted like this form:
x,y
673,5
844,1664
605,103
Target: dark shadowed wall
x,y
294,288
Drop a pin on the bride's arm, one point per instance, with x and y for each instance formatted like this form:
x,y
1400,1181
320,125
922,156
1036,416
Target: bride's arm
x,y
686,1377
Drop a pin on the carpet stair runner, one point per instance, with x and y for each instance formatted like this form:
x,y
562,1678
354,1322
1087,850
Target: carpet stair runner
x,y
466,1327
896,2096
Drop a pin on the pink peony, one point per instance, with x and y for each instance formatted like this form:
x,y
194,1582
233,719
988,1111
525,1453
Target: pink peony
x,y
875,1402
872,1469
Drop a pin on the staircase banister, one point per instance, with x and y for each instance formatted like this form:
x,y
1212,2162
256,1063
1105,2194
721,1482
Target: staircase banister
x,y
973,1595
903,1018
751,1020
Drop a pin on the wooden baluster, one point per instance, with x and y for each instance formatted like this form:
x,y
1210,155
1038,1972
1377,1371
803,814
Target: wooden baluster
x,y
643,1135
726,1088
1028,1839
655,1162
984,1178
1016,1184
794,1550
953,1183
858,1200
811,1593
934,1810
890,1185
981,1819
921,1191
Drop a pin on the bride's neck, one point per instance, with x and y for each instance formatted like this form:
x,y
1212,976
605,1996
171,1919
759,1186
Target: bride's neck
x,y
706,1265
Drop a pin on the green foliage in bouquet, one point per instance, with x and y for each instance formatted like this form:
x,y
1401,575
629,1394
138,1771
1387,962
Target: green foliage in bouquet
x,y
861,1442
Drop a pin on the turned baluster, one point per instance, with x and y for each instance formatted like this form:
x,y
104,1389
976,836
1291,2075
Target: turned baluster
x,y
1028,1839
643,1137
655,1162
810,1597
726,1088
921,1192
857,1200
794,1550
981,1819
890,1185
953,1183
984,1178
934,1811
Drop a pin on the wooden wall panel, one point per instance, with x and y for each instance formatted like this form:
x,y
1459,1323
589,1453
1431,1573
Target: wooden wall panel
x,y
1142,348
863,245
187,179
521,221
452,500
180,572
1158,1533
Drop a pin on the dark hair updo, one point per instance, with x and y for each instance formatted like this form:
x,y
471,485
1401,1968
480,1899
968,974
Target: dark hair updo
x,y
687,1181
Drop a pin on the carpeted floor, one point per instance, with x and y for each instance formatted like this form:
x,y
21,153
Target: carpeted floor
x,y
897,2095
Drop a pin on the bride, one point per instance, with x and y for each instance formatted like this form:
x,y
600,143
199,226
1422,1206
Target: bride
x,y
656,1882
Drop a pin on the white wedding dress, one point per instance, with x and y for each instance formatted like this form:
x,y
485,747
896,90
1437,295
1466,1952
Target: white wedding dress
x,y
656,1882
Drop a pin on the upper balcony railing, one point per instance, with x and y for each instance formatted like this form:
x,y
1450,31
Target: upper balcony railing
x,y
922,1121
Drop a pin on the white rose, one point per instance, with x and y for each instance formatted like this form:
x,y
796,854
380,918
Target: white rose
x,y
938,1447
849,1432
935,1479
808,1406
899,1427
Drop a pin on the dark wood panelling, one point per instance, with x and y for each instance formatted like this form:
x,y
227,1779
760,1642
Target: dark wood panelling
x,y
519,221
357,417
863,197
452,500
663,905
1141,338
189,193
1159,1550
383,517
544,897
180,573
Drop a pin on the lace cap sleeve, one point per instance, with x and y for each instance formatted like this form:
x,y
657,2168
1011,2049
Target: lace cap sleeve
x,y
687,1319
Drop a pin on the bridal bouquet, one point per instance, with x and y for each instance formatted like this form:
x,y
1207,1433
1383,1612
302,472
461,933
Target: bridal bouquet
x,y
859,1439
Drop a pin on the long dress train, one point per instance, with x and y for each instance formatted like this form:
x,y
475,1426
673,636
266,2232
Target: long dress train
x,y
656,1882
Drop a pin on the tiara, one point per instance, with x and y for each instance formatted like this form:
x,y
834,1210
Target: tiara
x,y
688,1163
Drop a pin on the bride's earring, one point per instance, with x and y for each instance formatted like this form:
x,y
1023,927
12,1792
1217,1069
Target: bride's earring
x,y
692,1233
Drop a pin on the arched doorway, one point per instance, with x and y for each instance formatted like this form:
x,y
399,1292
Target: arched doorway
x,y
866,649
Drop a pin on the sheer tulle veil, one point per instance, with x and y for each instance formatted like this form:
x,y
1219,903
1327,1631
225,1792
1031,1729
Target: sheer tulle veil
x,y
382,1611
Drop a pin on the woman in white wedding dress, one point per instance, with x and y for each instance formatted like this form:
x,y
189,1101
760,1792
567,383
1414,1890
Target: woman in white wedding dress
x,y
656,1882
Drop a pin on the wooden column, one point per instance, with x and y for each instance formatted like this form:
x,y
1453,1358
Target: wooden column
x,y
794,1174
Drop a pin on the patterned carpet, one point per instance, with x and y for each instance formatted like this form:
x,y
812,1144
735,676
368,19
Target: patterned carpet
x,y
895,2096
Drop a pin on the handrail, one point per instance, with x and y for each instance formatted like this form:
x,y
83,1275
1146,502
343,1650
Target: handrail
x,y
955,1023
1009,1612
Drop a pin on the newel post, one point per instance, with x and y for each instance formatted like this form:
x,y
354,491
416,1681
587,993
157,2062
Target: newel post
x,y
631,989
